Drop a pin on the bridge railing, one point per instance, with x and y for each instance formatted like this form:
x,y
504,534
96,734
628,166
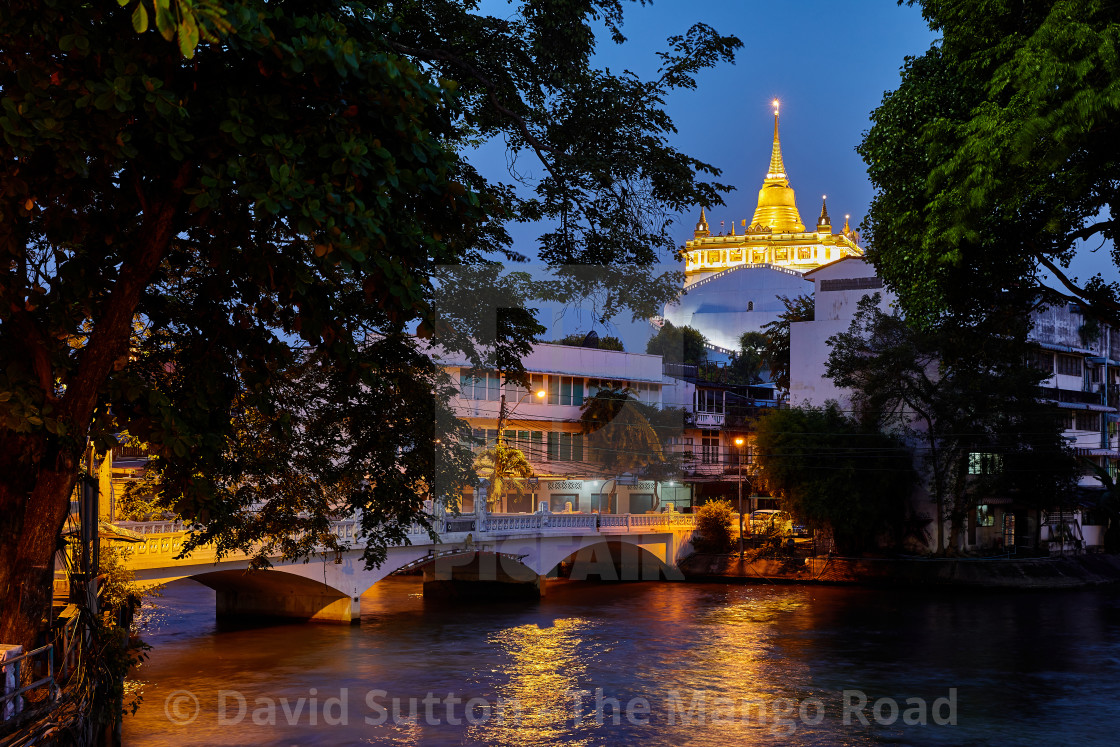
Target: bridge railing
x,y
164,539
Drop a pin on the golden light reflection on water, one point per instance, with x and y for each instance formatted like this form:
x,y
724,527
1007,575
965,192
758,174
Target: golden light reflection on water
x,y
544,671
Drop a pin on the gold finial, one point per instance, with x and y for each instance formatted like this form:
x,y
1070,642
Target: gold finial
x,y
777,167
824,220
702,230
846,229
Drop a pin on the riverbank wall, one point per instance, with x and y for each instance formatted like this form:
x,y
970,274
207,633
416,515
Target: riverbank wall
x,y
977,573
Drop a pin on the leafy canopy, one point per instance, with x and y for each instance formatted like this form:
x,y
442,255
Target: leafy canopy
x,y
996,157
182,235
834,473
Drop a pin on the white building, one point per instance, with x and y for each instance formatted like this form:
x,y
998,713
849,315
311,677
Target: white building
x,y
546,428
1083,360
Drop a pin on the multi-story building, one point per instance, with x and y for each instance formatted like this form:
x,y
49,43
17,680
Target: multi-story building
x,y
542,420
1082,358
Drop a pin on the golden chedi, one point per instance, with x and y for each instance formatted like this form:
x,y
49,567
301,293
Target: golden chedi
x,y
775,235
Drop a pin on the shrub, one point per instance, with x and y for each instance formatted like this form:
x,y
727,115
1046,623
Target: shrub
x,y
713,527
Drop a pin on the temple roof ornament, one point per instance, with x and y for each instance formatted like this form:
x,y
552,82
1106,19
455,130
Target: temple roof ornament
x,y
824,221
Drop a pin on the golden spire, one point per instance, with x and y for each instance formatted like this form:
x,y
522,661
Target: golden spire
x,y
824,221
702,230
846,229
777,168
777,207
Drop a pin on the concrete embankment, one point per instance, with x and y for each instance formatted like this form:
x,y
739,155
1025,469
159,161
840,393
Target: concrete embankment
x,y
978,573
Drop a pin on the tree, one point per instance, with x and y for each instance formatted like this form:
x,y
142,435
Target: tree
x,y
962,398
625,436
576,340
797,309
505,467
713,524
995,159
748,365
835,474
679,345
174,229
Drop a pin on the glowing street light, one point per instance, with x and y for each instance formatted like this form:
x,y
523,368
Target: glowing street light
x,y
740,441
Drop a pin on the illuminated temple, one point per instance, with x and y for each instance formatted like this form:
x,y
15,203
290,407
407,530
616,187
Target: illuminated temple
x,y
733,279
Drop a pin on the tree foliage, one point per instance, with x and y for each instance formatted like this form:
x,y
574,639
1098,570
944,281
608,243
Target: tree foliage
x,y
752,359
958,397
834,473
576,340
506,468
625,436
996,157
797,309
176,228
713,527
679,345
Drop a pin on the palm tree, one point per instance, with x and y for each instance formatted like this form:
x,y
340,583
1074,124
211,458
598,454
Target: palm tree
x,y
621,437
505,467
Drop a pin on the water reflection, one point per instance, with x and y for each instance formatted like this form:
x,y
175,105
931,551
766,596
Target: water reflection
x,y
705,665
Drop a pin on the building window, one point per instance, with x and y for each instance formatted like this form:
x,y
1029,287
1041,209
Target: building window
x,y
516,393
803,252
983,463
736,255
1042,360
1069,365
647,394
565,390
1088,421
713,258
781,254
709,400
529,443
709,449
1067,421
985,517
759,258
483,438
565,447
483,385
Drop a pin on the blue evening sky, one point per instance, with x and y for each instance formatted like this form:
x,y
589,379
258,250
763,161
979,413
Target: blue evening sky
x,y
829,64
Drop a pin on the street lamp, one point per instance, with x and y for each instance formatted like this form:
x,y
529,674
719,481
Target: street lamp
x,y
502,414
740,441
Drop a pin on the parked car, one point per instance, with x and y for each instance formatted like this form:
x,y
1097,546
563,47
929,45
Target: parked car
x,y
769,520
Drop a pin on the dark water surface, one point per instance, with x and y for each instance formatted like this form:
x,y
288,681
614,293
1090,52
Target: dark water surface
x,y
687,664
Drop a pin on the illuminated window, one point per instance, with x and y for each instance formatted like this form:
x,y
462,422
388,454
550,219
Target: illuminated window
x,y
983,463
985,517
736,255
713,258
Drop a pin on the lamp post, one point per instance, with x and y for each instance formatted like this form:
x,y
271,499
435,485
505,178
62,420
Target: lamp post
x,y
739,441
502,415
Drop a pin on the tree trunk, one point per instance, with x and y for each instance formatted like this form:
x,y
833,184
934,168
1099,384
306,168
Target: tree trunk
x,y
29,531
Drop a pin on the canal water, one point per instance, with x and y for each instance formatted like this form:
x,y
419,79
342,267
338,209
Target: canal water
x,y
642,664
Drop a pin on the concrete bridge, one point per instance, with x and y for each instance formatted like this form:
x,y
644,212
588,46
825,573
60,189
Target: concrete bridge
x,y
477,555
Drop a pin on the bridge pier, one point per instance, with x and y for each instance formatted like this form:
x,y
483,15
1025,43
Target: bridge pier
x,y
481,577
241,604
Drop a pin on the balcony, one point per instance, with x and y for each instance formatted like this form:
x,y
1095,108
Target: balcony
x,y
1073,396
